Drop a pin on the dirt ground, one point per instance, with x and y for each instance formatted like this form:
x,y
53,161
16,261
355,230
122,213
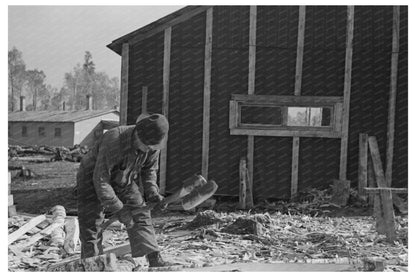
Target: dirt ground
x,y
285,232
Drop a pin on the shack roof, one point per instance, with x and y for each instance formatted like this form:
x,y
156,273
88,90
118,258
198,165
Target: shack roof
x,y
57,116
157,26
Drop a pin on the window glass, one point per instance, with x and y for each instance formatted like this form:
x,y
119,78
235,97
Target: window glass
x,y
308,116
41,131
57,132
24,131
261,115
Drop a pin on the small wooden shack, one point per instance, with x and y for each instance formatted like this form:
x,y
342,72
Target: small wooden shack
x,y
288,87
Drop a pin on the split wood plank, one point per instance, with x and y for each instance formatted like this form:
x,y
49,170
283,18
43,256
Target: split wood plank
x,y
392,94
165,104
298,86
347,93
119,250
251,90
43,233
72,235
207,92
25,228
362,165
124,83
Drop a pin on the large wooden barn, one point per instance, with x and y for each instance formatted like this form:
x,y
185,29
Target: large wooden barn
x,y
291,88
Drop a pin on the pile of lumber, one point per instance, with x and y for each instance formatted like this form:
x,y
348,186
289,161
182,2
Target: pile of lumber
x,y
47,153
35,242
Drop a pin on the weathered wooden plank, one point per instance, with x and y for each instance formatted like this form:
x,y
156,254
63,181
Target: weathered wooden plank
x,y
243,183
165,104
280,100
233,115
362,164
392,94
144,100
347,93
252,37
377,164
10,200
207,92
284,133
298,87
124,83
388,214
25,228
119,250
377,190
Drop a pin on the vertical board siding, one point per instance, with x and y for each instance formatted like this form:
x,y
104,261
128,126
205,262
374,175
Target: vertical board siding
x,y
400,165
370,81
146,70
186,101
324,59
124,83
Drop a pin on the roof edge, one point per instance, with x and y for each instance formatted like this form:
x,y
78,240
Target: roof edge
x,y
156,26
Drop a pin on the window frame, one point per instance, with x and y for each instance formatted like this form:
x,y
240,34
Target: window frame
x,y
284,102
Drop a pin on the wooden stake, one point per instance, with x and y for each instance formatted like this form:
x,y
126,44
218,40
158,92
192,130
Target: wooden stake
x,y
251,90
362,165
165,105
392,94
207,93
388,214
298,86
124,83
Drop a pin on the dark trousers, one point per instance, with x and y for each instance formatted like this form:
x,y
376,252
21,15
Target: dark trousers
x,y
91,215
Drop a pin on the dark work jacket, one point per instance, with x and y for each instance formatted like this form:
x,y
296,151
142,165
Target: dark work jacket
x,y
116,164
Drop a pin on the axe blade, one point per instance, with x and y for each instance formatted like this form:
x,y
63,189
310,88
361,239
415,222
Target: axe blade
x,y
199,195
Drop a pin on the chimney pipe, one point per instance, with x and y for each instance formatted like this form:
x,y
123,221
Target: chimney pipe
x,y
22,104
89,102
63,105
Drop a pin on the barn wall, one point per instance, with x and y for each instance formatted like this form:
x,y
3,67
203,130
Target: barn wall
x,y
33,138
323,75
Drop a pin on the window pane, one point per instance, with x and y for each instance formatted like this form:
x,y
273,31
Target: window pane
x,y
41,131
309,116
261,115
57,132
24,131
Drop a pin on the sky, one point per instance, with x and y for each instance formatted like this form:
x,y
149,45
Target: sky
x,y
54,38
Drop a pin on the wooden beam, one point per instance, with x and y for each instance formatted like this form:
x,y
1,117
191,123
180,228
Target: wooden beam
x,y
298,86
124,83
207,92
377,190
255,131
25,228
251,90
165,105
362,164
347,94
392,94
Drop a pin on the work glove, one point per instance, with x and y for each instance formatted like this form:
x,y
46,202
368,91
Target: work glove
x,y
157,199
125,217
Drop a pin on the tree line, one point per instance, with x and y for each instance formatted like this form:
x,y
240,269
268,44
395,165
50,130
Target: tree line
x,y
83,80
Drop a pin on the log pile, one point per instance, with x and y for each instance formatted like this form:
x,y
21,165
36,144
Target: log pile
x,y
47,153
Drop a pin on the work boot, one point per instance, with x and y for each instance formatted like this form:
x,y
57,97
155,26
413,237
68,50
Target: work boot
x,y
155,260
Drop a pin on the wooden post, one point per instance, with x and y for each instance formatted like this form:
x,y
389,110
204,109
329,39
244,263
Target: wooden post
x,y
165,105
11,206
392,94
347,94
362,165
251,90
124,83
243,183
207,93
298,87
